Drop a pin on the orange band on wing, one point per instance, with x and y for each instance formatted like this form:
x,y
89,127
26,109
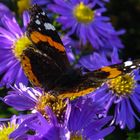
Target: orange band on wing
x,y
25,62
36,37
114,72
76,93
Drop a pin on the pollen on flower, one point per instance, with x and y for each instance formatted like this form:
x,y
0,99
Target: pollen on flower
x,y
122,85
83,13
76,136
23,5
57,105
5,130
21,44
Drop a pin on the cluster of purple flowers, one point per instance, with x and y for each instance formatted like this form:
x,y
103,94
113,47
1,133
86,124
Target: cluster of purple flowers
x,y
91,42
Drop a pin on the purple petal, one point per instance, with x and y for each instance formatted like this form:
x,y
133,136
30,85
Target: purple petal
x,y
19,102
26,19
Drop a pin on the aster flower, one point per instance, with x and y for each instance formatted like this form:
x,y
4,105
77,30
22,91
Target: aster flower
x,y
26,98
88,24
121,92
81,122
124,93
7,126
41,127
12,43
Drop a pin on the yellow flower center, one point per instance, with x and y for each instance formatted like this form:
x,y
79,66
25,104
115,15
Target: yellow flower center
x,y
122,85
6,130
57,105
20,45
76,136
83,13
23,5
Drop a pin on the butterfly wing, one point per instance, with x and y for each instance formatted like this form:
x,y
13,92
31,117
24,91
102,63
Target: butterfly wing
x,y
45,60
113,71
90,81
45,38
39,68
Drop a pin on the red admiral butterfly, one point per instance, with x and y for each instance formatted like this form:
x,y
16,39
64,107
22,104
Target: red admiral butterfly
x,y
46,65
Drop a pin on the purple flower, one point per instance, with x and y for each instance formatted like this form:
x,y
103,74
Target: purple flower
x,y
41,127
12,43
97,60
26,98
124,93
88,24
7,126
81,121
84,123
85,56
5,11
23,98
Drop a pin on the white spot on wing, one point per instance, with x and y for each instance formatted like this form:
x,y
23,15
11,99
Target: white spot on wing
x,y
128,63
43,13
49,26
133,67
39,29
37,22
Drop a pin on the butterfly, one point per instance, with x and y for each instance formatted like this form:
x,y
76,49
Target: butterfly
x,y
46,65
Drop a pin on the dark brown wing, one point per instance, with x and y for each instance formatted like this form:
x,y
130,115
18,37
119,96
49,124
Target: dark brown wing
x,y
45,60
45,38
41,69
114,71
90,81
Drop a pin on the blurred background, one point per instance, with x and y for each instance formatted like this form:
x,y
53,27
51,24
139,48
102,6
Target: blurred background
x,y
125,14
